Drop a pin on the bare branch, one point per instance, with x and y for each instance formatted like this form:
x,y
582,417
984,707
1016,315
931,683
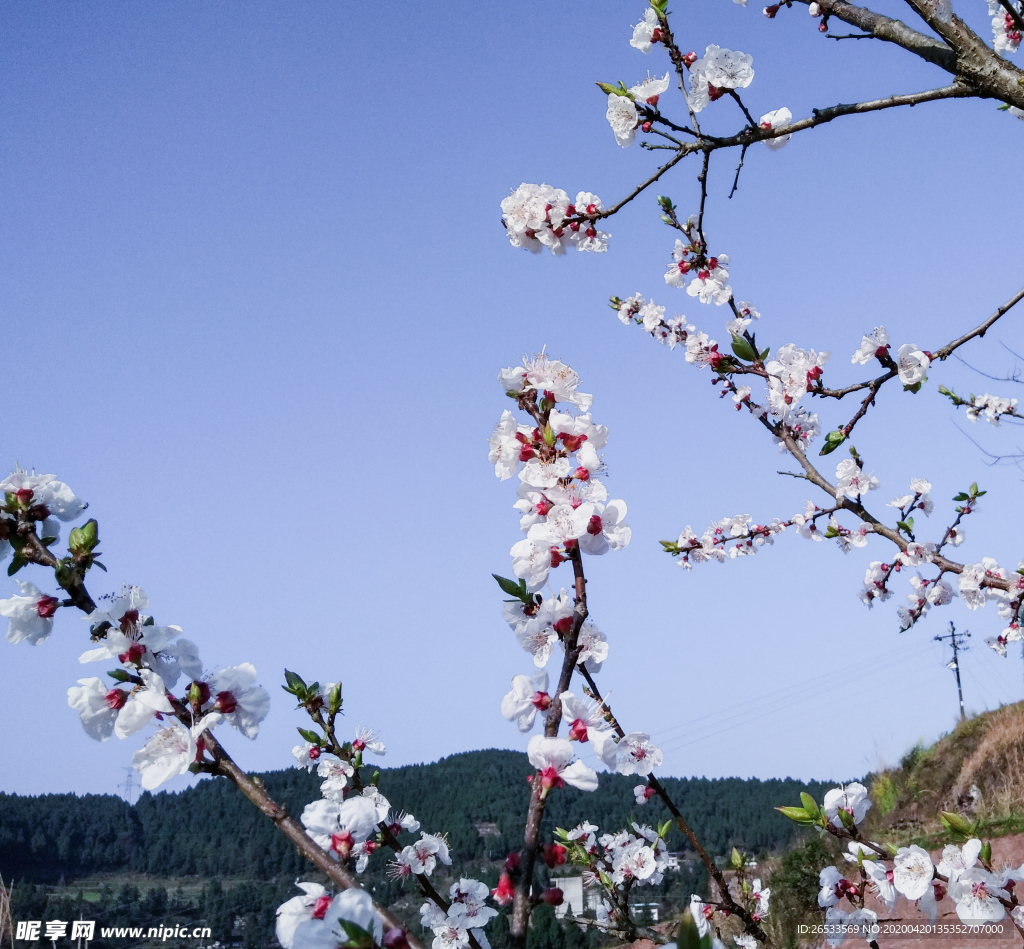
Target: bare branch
x,y
981,329
735,185
891,31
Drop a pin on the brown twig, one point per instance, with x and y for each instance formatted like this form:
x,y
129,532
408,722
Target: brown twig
x,y
750,924
523,904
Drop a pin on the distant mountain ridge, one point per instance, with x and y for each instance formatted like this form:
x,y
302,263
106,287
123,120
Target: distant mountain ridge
x,y
212,831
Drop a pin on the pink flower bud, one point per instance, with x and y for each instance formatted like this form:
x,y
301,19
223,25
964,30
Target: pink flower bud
x,y
823,26
541,701
226,702
134,654
689,59
395,939
595,525
578,730
581,474
46,606
116,699
553,896
554,855
646,127
504,893
342,843
320,906
550,778
512,860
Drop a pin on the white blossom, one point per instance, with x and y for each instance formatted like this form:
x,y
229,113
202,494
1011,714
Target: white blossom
x,y
167,754
622,118
30,615
913,364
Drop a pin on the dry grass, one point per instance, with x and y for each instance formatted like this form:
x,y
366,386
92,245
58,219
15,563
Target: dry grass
x,y
997,765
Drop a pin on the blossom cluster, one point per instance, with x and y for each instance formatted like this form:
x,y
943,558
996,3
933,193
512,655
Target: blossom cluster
x,y
151,658
622,113
467,913
614,861
1005,33
563,503
716,72
539,216
964,873
994,408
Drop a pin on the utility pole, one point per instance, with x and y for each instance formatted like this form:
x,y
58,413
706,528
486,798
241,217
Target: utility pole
x,y
956,640
129,784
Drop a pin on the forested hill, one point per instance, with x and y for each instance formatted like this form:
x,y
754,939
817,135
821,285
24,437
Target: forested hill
x,y
211,830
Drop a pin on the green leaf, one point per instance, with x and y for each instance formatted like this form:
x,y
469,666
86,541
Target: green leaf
x,y
736,859
973,488
962,497
955,823
84,539
904,526
797,814
96,563
670,546
617,90
16,564
119,675
742,348
47,541
833,440
986,852
295,682
916,387
688,936
810,805
356,936
763,356
518,590
310,736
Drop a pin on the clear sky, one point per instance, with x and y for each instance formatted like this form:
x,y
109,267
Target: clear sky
x,y
255,293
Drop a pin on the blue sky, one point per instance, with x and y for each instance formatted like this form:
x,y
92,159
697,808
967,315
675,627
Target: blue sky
x,y
256,293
